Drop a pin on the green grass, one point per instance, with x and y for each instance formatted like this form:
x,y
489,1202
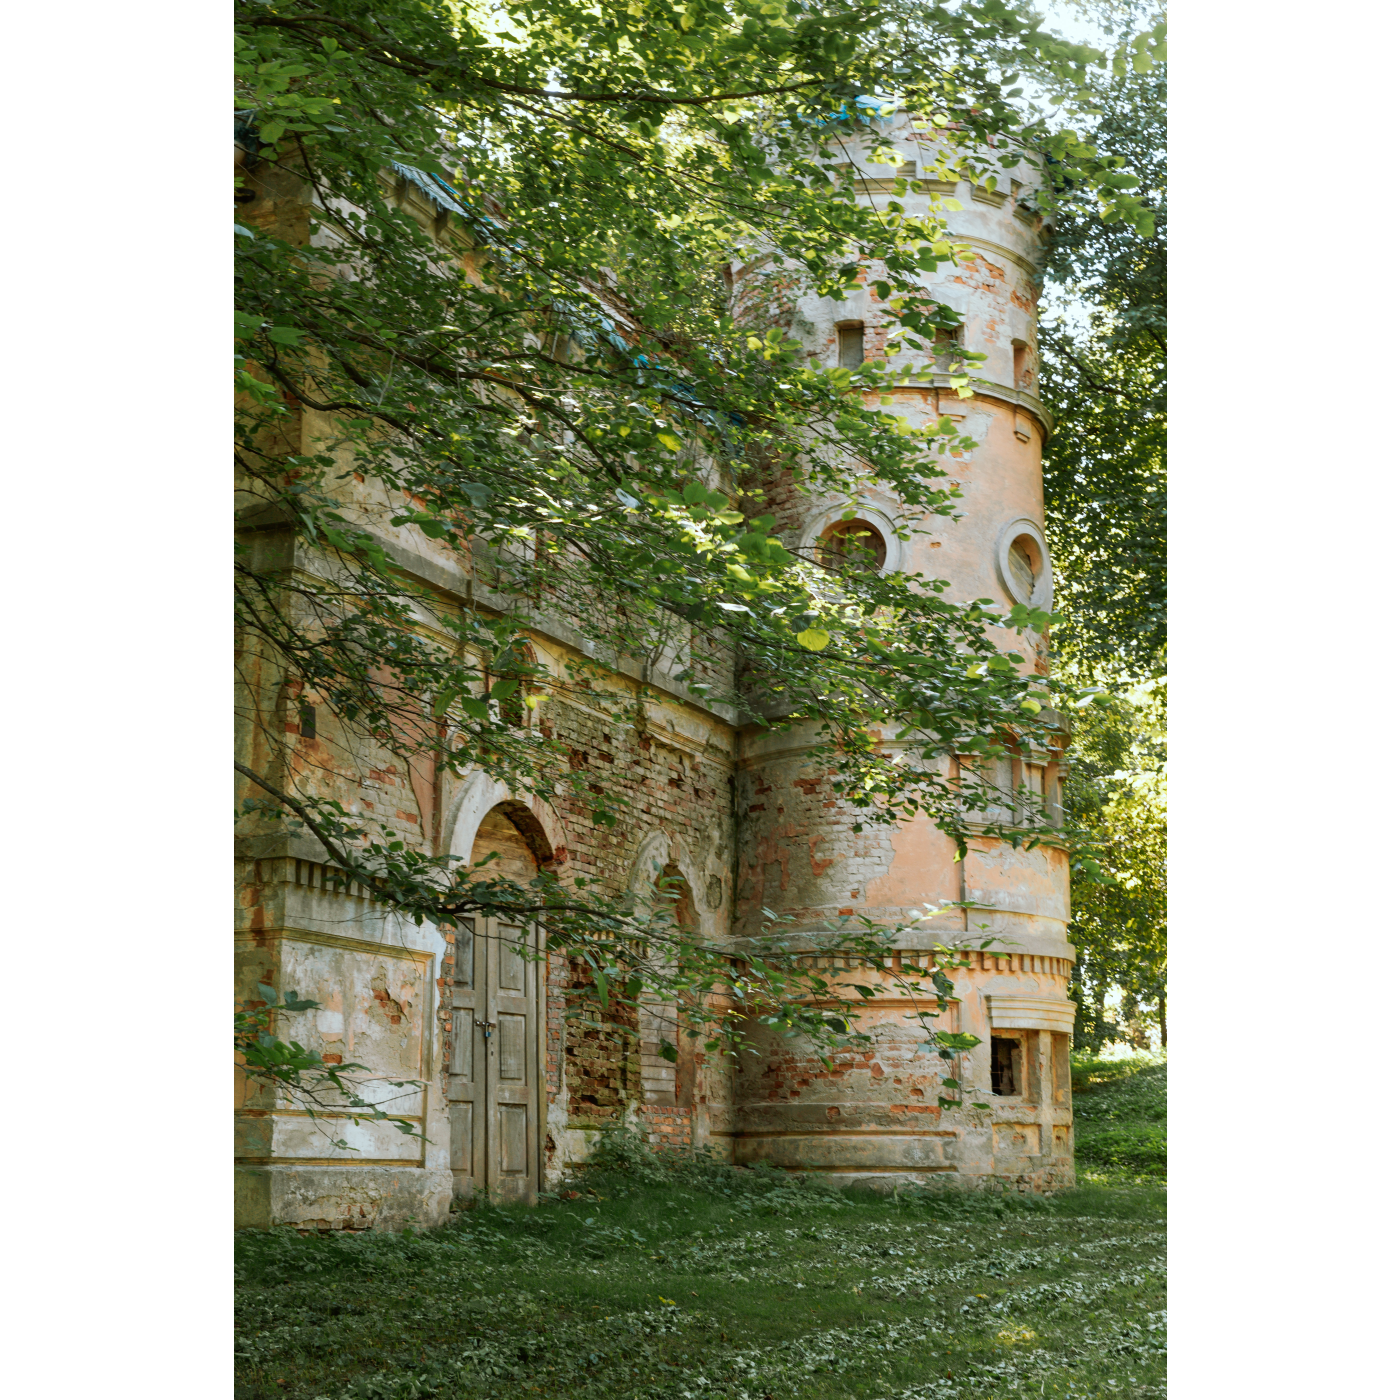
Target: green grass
x,y
707,1282
1120,1119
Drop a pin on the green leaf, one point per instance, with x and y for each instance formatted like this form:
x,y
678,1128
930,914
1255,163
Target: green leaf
x,y
813,638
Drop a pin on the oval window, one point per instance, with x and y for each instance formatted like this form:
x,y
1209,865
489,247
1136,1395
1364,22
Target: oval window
x,y
1024,559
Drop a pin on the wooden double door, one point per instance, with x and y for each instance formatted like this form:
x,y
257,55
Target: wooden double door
x,y
493,1078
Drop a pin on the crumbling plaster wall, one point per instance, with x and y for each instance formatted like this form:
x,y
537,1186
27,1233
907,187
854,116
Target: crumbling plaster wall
x,y
874,1115
746,817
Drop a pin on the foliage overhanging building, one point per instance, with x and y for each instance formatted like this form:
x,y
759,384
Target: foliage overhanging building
x,y
737,815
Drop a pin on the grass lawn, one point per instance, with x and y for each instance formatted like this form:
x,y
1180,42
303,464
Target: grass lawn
x,y
1120,1119
705,1282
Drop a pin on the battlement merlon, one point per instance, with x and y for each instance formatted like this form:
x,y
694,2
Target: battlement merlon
x,y
995,293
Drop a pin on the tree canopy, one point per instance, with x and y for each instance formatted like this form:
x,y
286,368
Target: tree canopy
x,y
1103,344
1104,365
539,373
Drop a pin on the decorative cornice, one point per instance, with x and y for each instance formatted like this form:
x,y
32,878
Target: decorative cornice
x,y
981,388
1025,264
1030,1013
261,937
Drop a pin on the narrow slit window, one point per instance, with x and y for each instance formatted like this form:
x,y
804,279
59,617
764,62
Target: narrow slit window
x,y
1006,1066
1019,353
946,342
850,346
1059,1066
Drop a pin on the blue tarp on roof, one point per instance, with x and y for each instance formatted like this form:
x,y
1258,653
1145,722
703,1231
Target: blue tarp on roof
x,y
437,190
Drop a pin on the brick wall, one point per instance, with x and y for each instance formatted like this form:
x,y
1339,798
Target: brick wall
x,y
664,1125
680,786
602,1054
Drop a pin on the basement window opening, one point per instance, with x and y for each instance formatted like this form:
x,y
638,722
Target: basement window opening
x,y
1006,1066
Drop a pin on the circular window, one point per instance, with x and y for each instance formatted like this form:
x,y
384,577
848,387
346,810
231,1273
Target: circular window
x,y
852,546
869,544
1023,563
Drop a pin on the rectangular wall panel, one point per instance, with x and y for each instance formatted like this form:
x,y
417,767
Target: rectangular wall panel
x,y
463,1043
462,1155
512,964
464,963
511,1030
515,1159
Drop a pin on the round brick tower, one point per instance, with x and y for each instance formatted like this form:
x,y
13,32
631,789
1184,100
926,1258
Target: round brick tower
x,y
875,1118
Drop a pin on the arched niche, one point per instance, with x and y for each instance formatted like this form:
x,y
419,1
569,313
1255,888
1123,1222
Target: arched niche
x,y
663,877
511,833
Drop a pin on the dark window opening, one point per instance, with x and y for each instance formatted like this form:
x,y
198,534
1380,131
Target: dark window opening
x,y
1006,1066
852,545
946,342
306,715
850,346
517,665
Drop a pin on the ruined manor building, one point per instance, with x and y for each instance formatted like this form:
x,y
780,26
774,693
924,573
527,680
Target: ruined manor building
x,y
742,817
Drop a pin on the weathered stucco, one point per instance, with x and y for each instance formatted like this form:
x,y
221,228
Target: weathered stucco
x,y
743,817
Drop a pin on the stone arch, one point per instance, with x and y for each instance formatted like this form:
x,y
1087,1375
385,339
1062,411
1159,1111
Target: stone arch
x,y
657,850
653,855
478,795
513,833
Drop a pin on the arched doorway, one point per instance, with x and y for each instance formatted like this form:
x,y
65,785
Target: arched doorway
x,y
666,1081
493,1071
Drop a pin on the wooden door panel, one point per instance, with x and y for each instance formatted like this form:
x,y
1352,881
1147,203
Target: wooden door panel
x,y
464,965
460,1066
512,965
464,1165
515,1141
512,1031
493,1063
466,1072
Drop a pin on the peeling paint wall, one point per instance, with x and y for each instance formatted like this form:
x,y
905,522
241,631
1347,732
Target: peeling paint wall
x,y
744,816
874,1117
